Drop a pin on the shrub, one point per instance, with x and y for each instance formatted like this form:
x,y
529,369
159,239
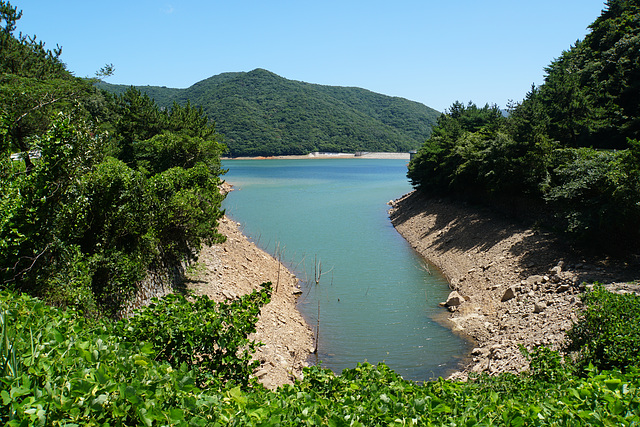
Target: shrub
x,y
596,193
607,335
209,338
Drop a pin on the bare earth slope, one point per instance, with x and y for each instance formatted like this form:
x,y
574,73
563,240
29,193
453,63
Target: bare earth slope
x,y
237,267
513,285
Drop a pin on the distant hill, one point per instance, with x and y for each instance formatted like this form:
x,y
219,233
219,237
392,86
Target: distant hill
x,y
260,113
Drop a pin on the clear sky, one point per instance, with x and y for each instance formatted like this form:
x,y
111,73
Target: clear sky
x,y
433,52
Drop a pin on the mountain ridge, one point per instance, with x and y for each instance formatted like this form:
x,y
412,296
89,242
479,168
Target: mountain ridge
x,y
261,113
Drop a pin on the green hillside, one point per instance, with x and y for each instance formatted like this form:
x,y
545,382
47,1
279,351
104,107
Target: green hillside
x,y
571,148
261,113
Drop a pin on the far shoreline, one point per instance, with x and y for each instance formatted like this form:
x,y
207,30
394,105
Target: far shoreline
x,y
367,155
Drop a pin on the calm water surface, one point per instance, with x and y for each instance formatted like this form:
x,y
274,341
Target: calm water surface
x,y
376,299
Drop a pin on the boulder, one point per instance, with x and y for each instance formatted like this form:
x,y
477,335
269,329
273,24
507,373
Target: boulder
x,y
454,299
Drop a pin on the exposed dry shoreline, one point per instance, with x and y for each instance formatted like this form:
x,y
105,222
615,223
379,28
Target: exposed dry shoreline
x,y
237,267
510,284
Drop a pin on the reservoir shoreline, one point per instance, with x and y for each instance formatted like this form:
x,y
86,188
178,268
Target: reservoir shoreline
x,y
511,285
237,267
367,155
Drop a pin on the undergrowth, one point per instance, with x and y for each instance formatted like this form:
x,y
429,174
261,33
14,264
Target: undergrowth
x,y
58,368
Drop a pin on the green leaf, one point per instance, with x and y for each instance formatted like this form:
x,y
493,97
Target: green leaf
x,y
6,398
98,402
613,384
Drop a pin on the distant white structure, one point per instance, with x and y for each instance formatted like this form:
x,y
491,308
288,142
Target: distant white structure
x,y
33,154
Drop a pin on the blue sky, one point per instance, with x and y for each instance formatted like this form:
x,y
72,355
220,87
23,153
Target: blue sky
x,y
433,52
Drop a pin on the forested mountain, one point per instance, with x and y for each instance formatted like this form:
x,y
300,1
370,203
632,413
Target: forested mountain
x,y
260,113
570,148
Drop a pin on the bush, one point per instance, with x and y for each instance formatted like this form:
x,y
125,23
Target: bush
x,y
58,368
596,193
546,365
66,370
607,335
209,338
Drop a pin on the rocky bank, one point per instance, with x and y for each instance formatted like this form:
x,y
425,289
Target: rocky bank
x,y
237,267
510,284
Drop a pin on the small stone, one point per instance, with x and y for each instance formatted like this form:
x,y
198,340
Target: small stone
x,y
508,294
479,351
535,279
228,294
539,307
261,373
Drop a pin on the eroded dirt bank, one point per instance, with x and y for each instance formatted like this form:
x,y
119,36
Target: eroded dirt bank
x,y
237,267
510,284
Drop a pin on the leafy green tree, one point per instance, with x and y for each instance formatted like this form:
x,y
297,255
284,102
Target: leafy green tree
x,y
569,148
87,214
590,92
449,158
33,84
596,194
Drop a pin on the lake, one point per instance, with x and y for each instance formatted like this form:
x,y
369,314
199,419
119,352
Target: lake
x,y
375,299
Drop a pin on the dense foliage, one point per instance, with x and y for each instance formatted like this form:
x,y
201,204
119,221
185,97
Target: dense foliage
x,y
95,190
58,368
570,148
262,114
607,335
209,338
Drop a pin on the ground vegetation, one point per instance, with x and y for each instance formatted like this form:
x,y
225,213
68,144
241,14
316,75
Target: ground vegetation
x,y
96,190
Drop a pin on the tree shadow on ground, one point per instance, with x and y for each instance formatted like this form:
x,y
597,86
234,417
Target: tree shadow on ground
x,y
461,226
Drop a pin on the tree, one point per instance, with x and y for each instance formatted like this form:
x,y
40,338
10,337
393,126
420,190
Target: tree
x,y
445,160
88,217
33,83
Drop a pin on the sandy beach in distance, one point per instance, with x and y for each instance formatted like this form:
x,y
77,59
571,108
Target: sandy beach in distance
x,y
399,156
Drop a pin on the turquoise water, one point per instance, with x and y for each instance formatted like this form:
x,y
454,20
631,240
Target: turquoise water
x,y
376,298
